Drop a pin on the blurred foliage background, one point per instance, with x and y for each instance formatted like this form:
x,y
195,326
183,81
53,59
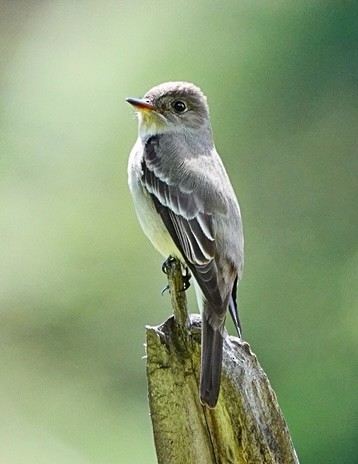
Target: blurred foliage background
x,y
78,279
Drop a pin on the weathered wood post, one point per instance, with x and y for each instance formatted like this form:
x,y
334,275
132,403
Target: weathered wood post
x,y
246,427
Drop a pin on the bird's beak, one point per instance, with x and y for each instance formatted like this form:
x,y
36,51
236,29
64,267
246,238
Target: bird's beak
x,y
141,105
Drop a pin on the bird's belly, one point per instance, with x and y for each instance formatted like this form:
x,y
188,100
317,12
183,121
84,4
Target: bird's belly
x,y
153,226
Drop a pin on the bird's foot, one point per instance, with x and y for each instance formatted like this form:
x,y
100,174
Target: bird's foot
x,y
166,266
186,280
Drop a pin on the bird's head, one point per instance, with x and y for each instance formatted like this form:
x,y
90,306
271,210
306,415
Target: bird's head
x,y
173,107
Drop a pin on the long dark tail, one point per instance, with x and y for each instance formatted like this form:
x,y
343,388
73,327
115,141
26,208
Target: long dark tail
x,y
211,362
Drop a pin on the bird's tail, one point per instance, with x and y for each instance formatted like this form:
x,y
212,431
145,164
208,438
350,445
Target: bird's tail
x,y
211,362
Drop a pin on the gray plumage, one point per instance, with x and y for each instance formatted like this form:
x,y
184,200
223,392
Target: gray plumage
x,y
187,207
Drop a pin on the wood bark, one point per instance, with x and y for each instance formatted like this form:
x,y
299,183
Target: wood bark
x,y
246,427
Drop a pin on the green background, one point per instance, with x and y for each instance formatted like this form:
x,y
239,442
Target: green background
x,y
78,279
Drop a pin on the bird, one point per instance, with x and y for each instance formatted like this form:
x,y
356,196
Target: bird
x,y
187,207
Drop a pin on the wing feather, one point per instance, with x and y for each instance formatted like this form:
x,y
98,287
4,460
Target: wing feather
x,y
189,221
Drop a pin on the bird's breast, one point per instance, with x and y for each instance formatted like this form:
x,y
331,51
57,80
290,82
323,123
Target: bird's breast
x,y
148,216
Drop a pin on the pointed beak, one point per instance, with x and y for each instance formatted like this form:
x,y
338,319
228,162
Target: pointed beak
x,y
140,104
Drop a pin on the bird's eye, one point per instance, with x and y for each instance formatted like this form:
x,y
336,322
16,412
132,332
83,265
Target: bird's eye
x,y
179,106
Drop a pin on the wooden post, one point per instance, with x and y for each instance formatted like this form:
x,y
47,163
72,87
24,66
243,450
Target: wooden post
x,y
246,427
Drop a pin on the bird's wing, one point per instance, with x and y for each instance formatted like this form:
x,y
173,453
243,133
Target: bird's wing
x,y
188,217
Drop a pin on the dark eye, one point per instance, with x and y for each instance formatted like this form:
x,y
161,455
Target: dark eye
x,y
179,106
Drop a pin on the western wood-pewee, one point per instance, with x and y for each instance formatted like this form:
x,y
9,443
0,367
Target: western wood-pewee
x,y
188,209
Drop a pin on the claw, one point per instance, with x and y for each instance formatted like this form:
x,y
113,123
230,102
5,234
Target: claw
x,y
164,289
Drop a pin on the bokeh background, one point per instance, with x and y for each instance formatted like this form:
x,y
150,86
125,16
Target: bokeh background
x,y
78,279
